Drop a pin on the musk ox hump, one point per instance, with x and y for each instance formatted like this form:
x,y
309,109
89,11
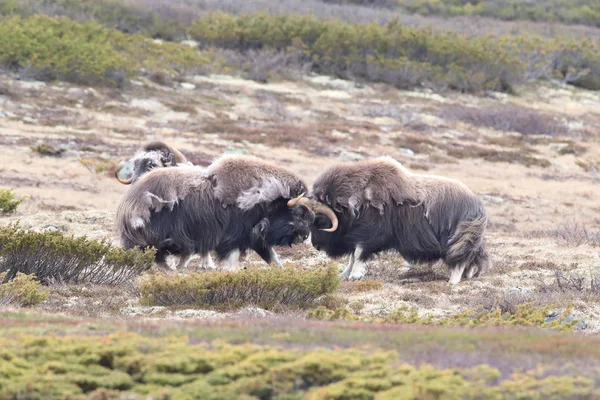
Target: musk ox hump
x,y
161,188
370,183
245,181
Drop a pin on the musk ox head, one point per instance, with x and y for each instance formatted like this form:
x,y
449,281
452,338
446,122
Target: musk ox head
x,y
153,155
317,218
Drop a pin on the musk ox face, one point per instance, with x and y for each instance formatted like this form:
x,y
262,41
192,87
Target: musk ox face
x,y
302,219
154,155
320,238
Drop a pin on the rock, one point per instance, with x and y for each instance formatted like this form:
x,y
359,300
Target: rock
x,y
187,86
492,199
50,228
350,156
519,290
191,43
236,150
581,325
2,115
407,152
199,314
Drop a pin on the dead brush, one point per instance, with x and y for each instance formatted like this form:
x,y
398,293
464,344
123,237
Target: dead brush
x,y
507,118
575,283
574,234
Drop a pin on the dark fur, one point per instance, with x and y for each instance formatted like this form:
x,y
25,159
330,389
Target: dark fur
x,y
427,219
184,215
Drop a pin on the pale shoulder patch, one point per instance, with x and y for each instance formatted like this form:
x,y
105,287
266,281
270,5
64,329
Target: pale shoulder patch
x,y
268,190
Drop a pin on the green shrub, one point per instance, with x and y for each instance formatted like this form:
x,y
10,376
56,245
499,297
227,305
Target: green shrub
x,y
406,57
46,149
130,365
52,256
128,18
85,53
8,202
23,290
526,314
268,288
392,53
571,12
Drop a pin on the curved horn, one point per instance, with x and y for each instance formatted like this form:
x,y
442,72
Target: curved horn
x,y
123,181
316,207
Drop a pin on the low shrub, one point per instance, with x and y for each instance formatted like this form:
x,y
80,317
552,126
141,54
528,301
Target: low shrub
x,y
85,53
507,118
54,257
46,149
267,288
134,366
405,56
126,17
571,12
22,291
524,314
574,234
8,202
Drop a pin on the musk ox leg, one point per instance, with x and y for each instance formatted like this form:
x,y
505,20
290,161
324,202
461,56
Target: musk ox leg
x,y
184,260
359,269
275,257
206,262
456,273
232,261
346,272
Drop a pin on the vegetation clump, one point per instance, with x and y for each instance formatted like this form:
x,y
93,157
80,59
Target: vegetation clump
x,y
267,288
404,56
22,291
49,48
130,365
54,257
8,202
525,314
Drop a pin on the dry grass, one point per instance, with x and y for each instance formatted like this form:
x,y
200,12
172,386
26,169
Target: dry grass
x,y
507,118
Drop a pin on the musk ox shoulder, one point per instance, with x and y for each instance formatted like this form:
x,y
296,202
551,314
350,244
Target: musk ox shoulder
x,y
380,205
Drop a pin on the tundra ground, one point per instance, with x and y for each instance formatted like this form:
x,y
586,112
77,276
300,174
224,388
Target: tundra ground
x,y
533,158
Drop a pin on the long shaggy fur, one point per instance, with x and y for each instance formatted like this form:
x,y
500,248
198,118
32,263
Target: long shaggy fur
x,y
382,206
183,211
154,155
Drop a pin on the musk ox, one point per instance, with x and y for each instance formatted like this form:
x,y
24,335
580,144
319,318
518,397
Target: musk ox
x,y
376,205
159,154
153,155
237,203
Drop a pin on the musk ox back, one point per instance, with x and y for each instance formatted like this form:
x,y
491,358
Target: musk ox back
x,y
189,210
379,205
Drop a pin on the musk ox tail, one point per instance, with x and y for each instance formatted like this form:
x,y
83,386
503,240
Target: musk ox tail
x,y
467,249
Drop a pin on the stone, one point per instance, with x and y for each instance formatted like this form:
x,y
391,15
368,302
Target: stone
x,y
407,152
187,86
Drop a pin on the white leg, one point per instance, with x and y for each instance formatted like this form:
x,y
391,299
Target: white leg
x,y
184,260
346,272
456,273
163,266
206,262
275,258
471,271
232,261
359,269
